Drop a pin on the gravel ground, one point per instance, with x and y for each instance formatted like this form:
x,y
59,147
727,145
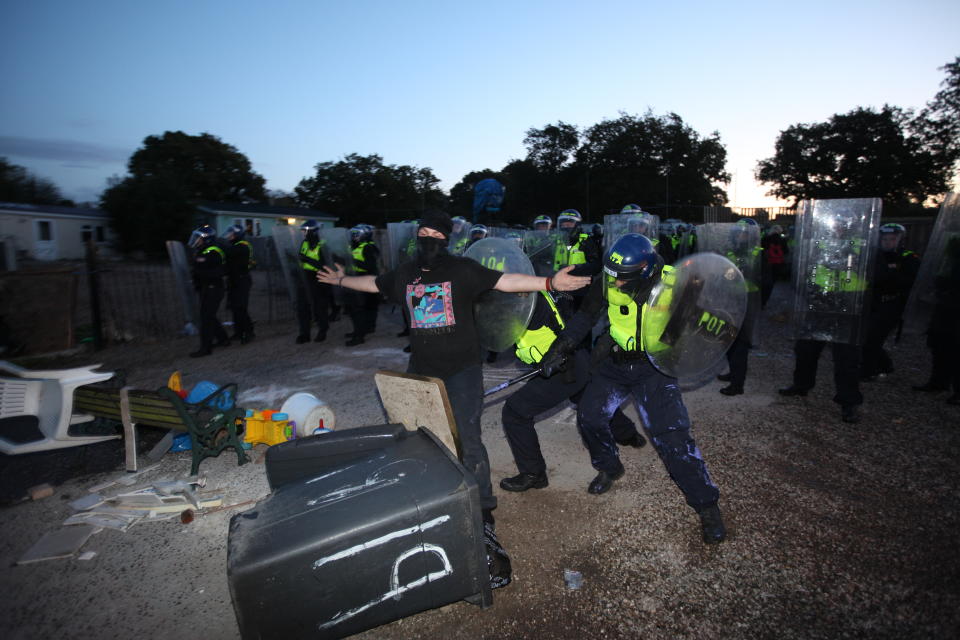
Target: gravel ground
x,y
835,530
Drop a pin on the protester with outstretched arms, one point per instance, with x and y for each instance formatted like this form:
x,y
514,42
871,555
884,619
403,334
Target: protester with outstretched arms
x,y
438,291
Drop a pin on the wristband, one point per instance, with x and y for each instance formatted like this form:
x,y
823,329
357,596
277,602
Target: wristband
x,y
549,289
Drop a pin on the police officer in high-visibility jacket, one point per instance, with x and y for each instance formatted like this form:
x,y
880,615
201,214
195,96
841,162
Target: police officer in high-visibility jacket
x,y
542,394
574,246
208,270
239,262
362,307
314,300
631,269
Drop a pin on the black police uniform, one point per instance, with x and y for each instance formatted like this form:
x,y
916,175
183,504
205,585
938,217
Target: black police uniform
x,y
624,374
893,276
314,302
542,394
363,307
239,262
208,272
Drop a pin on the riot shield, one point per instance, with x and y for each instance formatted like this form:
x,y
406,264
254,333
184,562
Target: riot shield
x,y
620,224
336,247
287,241
936,290
540,247
402,237
459,238
513,235
836,245
501,317
740,244
693,315
183,280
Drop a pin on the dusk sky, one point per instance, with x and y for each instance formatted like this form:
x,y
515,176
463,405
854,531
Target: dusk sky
x,y
447,85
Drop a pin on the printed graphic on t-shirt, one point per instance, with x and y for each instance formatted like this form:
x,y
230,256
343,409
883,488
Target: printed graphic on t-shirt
x,y
430,305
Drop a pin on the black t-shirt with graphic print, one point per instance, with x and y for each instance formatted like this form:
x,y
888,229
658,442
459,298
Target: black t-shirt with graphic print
x,y
439,303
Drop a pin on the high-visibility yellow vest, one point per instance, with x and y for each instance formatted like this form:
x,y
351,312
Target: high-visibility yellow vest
x,y
313,254
625,317
357,254
534,343
250,262
573,254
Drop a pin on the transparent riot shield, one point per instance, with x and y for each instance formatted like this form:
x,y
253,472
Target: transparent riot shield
x,y
836,245
336,247
459,237
540,247
180,264
402,238
936,291
287,241
693,315
620,224
740,244
513,235
501,317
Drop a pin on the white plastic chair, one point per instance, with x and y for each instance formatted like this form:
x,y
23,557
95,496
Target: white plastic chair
x,y
48,395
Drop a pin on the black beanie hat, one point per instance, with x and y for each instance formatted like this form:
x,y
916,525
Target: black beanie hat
x,y
439,221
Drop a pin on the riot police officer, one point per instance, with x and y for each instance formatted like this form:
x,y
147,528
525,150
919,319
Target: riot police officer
x,y
315,297
362,306
743,251
893,274
542,394
239,262
631,269
575,247
209,264
477,233
542,223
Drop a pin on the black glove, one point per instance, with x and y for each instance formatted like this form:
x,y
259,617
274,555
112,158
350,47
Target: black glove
x,y
555,357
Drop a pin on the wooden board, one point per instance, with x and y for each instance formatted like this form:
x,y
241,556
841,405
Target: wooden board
x,y
419,401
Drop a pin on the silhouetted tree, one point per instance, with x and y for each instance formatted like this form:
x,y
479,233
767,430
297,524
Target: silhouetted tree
x,y
364,189
19,185
168,176
863,153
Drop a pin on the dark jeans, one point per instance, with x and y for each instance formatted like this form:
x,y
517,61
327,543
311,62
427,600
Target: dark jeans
x,y
846,369
313,304
210,328
465,392
541,394
660,405
238,298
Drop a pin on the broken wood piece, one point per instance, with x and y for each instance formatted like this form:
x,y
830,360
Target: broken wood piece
x,y
61,543
40,491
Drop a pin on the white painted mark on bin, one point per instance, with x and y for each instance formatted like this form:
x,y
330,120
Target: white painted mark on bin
x,y
376,542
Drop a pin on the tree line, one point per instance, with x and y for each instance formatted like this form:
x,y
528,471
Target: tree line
x,y
657,161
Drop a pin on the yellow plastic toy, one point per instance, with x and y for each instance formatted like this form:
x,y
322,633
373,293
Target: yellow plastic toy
x,y
268,427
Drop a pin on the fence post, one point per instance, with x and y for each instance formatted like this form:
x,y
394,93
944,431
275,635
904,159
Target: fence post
x,y
93,280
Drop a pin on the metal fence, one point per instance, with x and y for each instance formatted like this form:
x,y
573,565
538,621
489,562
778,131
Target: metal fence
x,y
139,300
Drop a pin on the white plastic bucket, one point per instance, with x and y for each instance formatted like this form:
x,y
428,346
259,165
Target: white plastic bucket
x,y
307,410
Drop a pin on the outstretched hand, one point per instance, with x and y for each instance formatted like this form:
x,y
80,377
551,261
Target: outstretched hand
x,y
564,281
326,275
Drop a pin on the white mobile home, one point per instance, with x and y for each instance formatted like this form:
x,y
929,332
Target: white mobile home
x,y
49,232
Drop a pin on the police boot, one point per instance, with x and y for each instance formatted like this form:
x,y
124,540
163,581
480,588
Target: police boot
x,y
637,441
732,390
524,481
321,336
725,377
603,481
850,413
712,525
302,338
355,340
792,391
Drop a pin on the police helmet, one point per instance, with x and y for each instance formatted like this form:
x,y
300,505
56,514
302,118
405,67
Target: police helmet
x,y
478,232
892,229
360,233
569,215
542,220
633,261
234,233
631,208
202,236
459,222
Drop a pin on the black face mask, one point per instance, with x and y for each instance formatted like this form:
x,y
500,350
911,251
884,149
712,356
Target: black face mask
x,y
430,251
